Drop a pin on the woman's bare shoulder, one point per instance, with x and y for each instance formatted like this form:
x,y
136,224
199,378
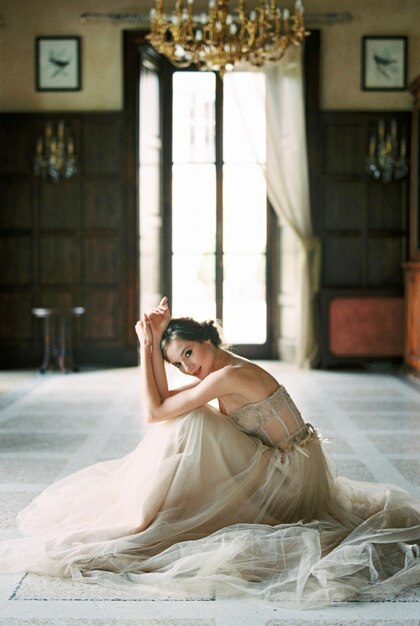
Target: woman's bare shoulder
x,y
250,380
245,367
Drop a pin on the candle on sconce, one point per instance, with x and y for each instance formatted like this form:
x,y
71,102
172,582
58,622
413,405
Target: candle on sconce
x,y
403,148
39,146
60,129
381,130
372,145
394,130
55,153
386,159
70,146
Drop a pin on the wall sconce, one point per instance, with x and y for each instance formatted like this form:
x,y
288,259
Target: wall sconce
x,y
387,158
54,154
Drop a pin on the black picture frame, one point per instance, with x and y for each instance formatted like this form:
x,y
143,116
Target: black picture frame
x,y
384,63
58,63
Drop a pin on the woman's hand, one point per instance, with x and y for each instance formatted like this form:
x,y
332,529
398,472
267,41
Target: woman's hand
x,y
159,318
144,333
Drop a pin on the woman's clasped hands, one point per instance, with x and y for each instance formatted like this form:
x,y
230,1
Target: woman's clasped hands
x,y
153,324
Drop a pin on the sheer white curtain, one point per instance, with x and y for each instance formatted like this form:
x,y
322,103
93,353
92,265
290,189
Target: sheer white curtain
x,y
288,185
286,172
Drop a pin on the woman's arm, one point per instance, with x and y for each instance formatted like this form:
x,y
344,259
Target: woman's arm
x,y
150,392
157,408
158,320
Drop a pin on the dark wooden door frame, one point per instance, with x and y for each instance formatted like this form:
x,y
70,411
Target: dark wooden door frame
x,y
132,40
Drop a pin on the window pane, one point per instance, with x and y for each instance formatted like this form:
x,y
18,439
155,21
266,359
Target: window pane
x,y
149,135
194,208
244,117
244,298
245,208
194,117
150,157
193,282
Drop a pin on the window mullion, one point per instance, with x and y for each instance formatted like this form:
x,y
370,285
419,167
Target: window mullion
x,y
167,164
219,197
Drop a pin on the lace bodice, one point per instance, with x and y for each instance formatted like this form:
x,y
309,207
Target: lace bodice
x,y
272,420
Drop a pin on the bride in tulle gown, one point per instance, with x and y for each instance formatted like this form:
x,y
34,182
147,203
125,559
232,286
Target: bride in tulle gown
x,y
242,499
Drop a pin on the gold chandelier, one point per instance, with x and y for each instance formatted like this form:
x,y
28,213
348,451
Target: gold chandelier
x,y
220,40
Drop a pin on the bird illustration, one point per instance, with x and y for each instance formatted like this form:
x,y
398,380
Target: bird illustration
x,y
385,65
59,64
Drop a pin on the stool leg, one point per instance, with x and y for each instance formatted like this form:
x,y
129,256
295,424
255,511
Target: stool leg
x,y
70,356
47,345
62,345
65,355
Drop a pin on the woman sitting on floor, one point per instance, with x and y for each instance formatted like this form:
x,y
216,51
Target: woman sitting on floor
x,y
242,499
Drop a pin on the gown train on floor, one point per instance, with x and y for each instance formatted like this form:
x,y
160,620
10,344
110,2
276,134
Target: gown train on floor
x,y
209,504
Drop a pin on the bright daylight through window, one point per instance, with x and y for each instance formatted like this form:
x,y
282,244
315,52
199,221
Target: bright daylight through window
x,y
232,236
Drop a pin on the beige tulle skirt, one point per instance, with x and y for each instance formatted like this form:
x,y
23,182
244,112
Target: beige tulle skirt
x,y
199,508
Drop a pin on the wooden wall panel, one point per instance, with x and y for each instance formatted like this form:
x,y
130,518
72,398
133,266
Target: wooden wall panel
x,y
60,260
56,297
60,204
101,261
385,205
344,146
16,260
104,320
101,147
349,270
15,313
362,222
62,244
103,203
385,257
15,199
342,203
16,146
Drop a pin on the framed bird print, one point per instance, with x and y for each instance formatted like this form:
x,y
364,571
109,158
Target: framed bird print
x,y
384,63
58,63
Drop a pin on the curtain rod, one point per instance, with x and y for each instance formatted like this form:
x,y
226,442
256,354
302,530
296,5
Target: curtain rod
x,y
143,20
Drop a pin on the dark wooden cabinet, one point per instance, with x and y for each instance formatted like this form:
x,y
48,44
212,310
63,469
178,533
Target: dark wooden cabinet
x,y
412,269
412,307
415,174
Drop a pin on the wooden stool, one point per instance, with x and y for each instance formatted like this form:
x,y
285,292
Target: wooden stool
x,y
58,348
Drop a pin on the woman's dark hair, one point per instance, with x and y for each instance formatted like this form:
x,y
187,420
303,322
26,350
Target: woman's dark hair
x,y
189,329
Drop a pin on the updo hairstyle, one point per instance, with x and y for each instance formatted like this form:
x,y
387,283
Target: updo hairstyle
x,y
188,329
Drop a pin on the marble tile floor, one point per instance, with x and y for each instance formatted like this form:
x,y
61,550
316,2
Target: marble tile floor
x,y
54,424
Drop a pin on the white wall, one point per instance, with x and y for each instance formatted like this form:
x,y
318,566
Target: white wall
x,y
102,51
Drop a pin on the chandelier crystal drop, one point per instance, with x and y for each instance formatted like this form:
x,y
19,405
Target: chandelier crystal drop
x,y
54,155
219,40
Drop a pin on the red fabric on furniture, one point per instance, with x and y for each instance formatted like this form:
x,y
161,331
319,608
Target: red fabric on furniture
x,y
369,326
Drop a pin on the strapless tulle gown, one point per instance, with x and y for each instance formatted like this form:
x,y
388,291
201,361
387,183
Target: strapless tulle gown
x,y
246,504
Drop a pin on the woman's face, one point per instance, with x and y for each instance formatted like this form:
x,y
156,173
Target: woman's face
x,y
191,357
